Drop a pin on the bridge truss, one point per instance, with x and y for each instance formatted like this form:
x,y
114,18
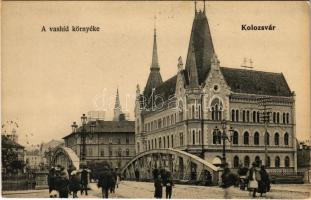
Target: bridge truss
x,y
183,166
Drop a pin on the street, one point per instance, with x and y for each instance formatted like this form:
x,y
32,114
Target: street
x,y
131,189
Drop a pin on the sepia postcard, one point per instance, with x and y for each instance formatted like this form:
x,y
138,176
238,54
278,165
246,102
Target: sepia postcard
x,y
155,99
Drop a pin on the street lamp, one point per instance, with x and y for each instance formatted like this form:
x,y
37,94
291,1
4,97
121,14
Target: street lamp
x,y
83,134
223,136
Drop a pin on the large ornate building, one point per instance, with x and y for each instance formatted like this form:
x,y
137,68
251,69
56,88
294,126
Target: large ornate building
x,y
110,141
185,111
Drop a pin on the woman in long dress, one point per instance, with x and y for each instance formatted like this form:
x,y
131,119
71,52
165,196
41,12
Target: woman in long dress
x,y
254,177
264,183
158,187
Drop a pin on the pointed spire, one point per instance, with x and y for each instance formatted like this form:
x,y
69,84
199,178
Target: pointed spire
x,y
155,63
195,6
204,6
117,107
192,72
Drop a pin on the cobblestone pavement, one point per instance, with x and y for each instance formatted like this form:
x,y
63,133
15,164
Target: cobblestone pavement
x,y
131,189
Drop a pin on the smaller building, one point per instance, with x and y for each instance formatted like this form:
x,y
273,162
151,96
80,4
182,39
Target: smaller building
x,y
112,142
34,159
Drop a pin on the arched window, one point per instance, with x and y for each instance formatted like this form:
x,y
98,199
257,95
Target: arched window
x,y
247,116
286,139
246,138
216,137
286,161
267,138
155,143
237,115
217,109
199,136
164,142
244,116
254,116
193,112
181,139
235,139
233,115
274,117
246,161
277,161
268,162
256,138
276,139
193,137
284,118
278,118
258,117
287,118
151,143
236,162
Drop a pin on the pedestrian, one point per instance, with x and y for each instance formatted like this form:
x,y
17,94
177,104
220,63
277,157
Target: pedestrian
x,y
84,180
117,177
228,181
113,181
155,173
104,181
158,187
75,182
169,185
51,179
254,178
242,172
61,182
264,183
136,174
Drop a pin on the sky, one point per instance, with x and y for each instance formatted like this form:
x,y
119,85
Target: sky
x,y
48,79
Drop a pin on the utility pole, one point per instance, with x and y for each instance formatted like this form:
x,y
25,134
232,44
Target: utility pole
x,y
263,102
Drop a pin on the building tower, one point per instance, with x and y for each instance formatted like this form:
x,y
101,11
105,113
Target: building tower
x,y
117,108
154,78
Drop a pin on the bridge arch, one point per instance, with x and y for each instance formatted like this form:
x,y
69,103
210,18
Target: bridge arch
x,y
65,157
183,166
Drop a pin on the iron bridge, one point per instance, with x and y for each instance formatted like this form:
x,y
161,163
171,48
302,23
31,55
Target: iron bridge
x,y
184,167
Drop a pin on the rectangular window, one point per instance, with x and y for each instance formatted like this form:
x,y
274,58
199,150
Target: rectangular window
x,y
127,152
90,152
102,152
127,140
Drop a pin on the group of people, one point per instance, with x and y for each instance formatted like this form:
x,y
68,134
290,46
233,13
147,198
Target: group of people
x,y
256,179
63,182
108,181
162,178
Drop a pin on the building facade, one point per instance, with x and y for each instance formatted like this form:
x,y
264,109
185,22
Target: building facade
x,y
185,111
111,141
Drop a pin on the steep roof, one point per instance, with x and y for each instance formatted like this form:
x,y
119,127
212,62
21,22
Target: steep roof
x,y
154,78
256,82
202,44
110,127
